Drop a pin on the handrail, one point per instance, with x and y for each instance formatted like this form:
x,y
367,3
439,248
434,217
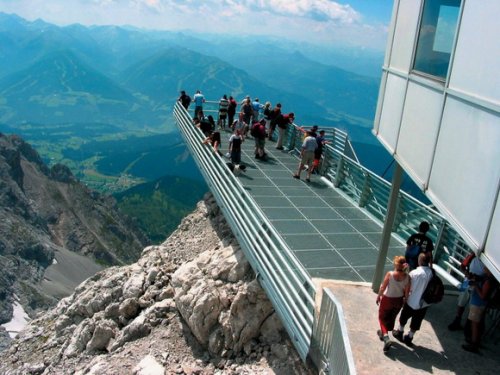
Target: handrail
x,y
286,282
371,193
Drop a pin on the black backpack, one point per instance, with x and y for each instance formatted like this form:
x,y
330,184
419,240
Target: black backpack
x,y
434,291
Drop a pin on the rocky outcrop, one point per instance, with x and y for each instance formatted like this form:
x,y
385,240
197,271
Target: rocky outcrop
x,y
54,231
189,306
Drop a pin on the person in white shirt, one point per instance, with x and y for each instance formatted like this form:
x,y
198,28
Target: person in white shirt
x,y
307,156
415,308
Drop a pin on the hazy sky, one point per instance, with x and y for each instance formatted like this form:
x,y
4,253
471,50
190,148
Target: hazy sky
x,y
354,22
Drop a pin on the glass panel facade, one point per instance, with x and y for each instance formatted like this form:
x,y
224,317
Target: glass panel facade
x,y
436,37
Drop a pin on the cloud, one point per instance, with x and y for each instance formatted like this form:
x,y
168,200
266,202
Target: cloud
x,y
317,21
318,10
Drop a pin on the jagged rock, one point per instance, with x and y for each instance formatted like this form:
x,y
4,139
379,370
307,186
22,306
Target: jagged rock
x,y
129,308
249,310
35,369
133,286
186,317
135,330
112,311
81,337
62,322
104,331
167,292
271,330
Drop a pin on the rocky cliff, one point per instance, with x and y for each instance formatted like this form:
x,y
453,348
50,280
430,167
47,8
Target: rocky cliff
x,y
189,306
54,231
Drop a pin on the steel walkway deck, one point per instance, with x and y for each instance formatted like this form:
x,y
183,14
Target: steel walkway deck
x,y
329,235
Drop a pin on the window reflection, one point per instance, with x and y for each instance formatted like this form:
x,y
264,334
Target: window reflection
x,y
436,37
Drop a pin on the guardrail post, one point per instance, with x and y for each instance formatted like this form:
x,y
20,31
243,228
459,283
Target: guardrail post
x,y
292,131
339,175
388,223
365,192
439,239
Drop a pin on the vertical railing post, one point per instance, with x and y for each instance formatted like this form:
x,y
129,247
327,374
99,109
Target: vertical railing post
x,y
323,165
365,192
291,130
439,239
339,176
388,223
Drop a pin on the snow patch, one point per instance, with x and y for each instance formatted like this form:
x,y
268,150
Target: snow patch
x,y
19,319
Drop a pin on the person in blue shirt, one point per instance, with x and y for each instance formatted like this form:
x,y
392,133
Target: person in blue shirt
x,y
481,294
198,99
257,107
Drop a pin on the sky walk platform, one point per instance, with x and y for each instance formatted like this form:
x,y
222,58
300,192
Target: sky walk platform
x,y
329,235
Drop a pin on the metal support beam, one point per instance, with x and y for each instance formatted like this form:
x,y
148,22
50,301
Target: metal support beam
x,y
392,205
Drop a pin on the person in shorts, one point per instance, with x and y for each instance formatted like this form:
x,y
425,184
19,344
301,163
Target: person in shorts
x,y
484,289
307,155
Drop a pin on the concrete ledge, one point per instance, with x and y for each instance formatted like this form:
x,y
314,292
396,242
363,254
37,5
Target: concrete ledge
x,y
436,349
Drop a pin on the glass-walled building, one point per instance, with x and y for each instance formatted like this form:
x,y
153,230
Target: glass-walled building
x,y
439,111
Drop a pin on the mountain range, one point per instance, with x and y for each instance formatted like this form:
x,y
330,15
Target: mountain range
x,y
55,232
143,72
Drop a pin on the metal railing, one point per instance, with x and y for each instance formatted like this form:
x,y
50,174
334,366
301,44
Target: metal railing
x,y
371,193
286,283
330,345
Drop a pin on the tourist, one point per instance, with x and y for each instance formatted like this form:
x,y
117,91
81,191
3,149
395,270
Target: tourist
x,y
321,140
231,110
273,118
223,109
184,99
247,111
235,147
482,292
419,243
259,134
283,121
256,107
415,307
391,296
199,99
214,139
307,155
473,269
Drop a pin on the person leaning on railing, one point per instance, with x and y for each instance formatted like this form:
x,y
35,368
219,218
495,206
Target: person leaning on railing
x,y
273,117
283,121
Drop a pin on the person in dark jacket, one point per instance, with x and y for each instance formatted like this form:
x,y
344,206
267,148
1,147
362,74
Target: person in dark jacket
x,y
184,99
